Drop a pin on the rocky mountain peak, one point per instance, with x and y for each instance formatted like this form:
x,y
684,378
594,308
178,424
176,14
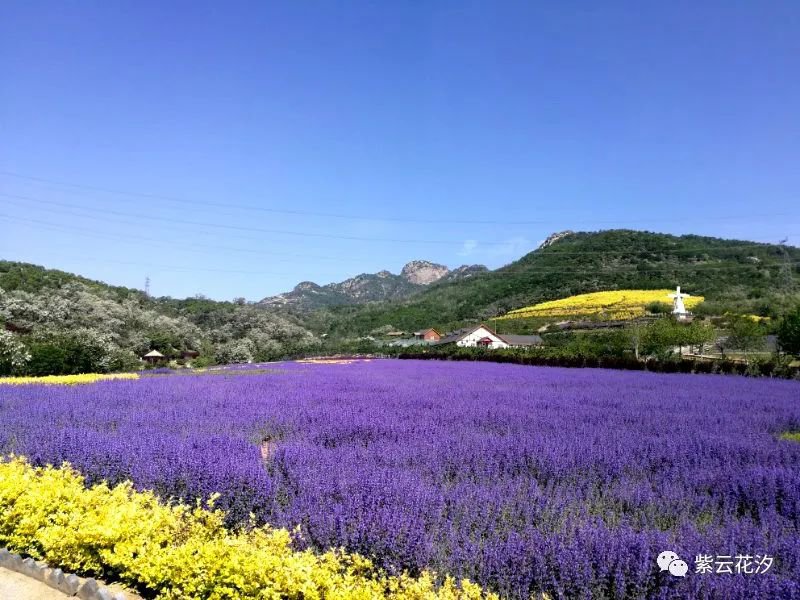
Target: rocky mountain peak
x,y
423,272
554,237
306,286
371,287
465,271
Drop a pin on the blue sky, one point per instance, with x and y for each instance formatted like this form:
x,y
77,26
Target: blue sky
x,y
234,149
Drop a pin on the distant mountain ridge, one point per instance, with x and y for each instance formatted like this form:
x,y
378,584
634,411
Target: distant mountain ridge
x,y
414,277
734,275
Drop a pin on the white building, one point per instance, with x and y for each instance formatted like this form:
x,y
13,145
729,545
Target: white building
x,y
482,336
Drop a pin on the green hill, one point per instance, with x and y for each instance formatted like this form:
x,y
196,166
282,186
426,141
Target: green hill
x,y
57,322
732,274
25,277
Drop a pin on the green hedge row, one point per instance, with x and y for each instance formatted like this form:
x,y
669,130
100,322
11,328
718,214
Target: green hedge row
x,y
775,367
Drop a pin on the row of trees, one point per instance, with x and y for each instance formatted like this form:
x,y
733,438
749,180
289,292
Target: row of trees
x,y
776,366
652,346
663,337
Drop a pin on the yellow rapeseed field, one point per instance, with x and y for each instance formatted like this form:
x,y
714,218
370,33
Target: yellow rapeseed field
x,y
66,379
618,304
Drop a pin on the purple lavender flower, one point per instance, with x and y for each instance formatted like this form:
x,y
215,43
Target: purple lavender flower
x,y
524,479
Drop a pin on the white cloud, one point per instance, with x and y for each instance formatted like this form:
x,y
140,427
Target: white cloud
x,y
468,248
514,247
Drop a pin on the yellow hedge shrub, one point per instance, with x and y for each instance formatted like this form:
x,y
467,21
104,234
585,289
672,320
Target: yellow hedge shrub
x,y
181,552
618,304
67,379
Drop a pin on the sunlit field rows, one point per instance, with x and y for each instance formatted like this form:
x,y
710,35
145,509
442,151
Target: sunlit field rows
x,y
522,479
619,304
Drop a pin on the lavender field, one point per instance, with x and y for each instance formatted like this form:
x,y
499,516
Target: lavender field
x,y
523,479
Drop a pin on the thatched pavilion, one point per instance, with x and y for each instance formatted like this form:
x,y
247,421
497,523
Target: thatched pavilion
x,y
154,356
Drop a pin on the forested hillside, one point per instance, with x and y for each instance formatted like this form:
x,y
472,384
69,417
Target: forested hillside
x,y
732,275
56,322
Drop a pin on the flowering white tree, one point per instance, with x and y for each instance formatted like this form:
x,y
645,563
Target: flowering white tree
x,y
75,325
13,354
239,351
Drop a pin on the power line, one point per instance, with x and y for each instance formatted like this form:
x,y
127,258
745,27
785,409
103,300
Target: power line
x,y
258,208
539,271
175,268
601,269
92,215
238,227
183,246
227,205
703,250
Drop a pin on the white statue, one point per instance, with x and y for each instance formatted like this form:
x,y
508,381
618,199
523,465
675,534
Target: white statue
x,y
678,307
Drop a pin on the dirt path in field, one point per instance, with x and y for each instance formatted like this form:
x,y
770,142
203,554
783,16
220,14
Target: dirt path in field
x,y
15,586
